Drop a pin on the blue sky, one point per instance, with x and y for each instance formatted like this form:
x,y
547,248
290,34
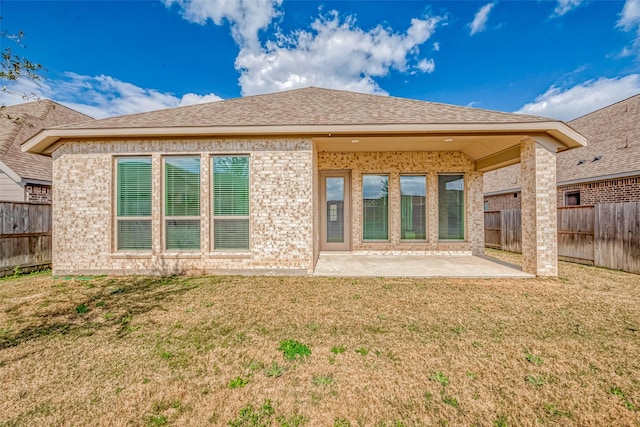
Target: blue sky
x,y
561,58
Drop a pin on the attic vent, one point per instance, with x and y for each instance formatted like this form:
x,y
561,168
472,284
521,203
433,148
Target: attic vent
x,y
596,158
581,162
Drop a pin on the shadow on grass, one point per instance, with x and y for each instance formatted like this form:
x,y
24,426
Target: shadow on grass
x,y
113,303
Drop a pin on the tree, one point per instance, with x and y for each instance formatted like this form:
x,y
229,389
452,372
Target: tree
x,y
14,66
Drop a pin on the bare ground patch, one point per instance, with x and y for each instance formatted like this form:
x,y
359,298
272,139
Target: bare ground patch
x,y
384,352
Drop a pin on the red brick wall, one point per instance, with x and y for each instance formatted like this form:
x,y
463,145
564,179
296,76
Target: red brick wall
x,y
611,191
502,202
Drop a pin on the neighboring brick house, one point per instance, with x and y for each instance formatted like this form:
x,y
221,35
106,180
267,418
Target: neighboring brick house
x,y
607,170
267,183
26,177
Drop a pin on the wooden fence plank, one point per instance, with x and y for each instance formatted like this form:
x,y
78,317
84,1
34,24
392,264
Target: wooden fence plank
x,y
605,235
25,236
492,229
511,230
575,234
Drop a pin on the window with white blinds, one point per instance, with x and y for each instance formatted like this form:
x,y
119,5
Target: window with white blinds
x,y
230,202
182,202
133,205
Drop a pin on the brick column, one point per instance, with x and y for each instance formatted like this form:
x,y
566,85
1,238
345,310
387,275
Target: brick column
x,y
539,211
475,212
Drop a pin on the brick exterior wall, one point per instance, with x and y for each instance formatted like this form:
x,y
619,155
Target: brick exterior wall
x,y
539,211
502,202
281,217
394,164
610,191
591,193
284,220
38,193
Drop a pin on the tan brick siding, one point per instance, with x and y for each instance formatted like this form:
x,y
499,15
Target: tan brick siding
x,y
284,205
539,213
610,191
501,202
281,218
395,163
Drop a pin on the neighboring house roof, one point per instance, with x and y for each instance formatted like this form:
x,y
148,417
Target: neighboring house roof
x,y
613,150
19,123
320,112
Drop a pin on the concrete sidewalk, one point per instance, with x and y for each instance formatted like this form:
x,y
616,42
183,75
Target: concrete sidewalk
x,y
353,265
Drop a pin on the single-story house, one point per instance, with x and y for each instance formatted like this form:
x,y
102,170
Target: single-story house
x,y
268,183
26,177
605,171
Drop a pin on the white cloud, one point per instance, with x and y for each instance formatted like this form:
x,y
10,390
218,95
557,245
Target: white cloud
x,y
336,54
333,52
426,66
630,16
100,96
630,22
479,22
436,47
565,6
567,104
246,17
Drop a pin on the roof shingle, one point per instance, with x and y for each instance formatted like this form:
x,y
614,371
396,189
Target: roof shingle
x,y
309,106
19,123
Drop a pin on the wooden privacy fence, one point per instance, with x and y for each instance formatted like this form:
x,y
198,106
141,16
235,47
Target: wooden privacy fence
x,y
604,235
25,237
503,230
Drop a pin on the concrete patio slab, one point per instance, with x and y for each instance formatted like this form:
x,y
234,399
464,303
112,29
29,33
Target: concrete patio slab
x,y
354,265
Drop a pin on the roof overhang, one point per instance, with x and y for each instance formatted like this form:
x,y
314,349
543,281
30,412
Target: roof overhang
x,y
489,144
9,172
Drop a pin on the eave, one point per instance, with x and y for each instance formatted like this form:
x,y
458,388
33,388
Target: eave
x,y
563,136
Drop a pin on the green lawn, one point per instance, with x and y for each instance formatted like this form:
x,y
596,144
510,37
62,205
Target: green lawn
x,y
292,351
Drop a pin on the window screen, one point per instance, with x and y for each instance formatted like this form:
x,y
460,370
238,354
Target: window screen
x,y
230,202
133,209
413,207
375,207
451,207
182,202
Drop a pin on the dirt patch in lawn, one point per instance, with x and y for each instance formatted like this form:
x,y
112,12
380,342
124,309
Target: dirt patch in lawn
x,y
250,351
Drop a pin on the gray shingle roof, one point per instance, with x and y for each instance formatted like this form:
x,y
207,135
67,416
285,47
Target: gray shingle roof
x,y
309,106
19,123
613,135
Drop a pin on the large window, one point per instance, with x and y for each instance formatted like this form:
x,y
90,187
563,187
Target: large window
x,y
413,207
182,202
451,207
375,207
230,202
133,209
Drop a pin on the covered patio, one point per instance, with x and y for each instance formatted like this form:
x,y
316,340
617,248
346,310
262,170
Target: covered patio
x,y
337,264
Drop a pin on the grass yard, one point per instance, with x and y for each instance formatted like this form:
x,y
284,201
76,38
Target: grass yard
x,y
291,351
